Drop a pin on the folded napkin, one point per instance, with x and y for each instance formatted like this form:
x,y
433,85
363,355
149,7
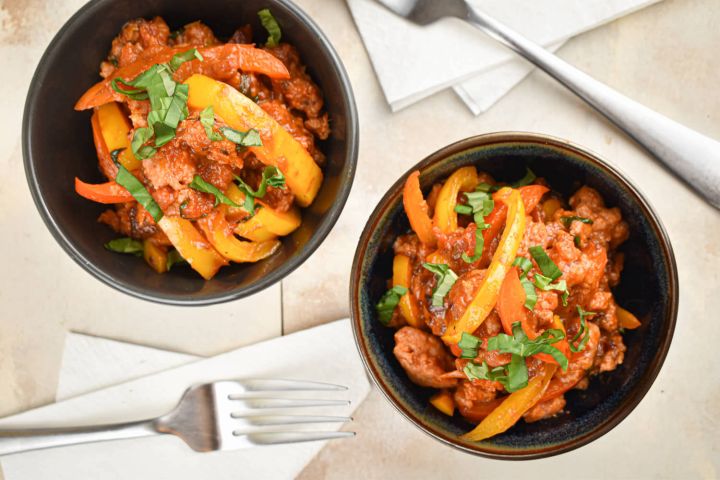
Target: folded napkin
x,y
412,62
326,353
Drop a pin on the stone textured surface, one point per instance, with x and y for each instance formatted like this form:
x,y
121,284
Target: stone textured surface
x,y
664,56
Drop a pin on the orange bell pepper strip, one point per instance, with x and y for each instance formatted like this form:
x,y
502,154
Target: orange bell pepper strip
x,y
192,246
409,309
279,148
511,304
219,232
626,319
531,195
416,209
109,192
463,179
115,132
267,223
444,402
232,56
513,407
487,295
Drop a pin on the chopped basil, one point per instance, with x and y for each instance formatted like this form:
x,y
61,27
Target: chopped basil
x,y
126,179
126,245
544,283
530,293
386,306
547,266
524,264
473,371
480,204
140,137
251,138
180,58
174,258
207,120
576,241
463,209
520,344
168,102
526,180
469,345
583,332
567,221
202,186
272,27
486,187
272,176
445,280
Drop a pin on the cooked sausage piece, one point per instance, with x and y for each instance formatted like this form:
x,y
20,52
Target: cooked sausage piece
x,y
424,358
545,409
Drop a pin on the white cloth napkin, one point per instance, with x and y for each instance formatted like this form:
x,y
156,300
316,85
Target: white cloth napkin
x,y
412,62
326,353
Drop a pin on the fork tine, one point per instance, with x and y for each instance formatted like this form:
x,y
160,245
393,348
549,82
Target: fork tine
x,y
282,385
267,420
287,402
275,438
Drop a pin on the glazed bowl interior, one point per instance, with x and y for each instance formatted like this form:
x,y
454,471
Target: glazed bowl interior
x,y
58,145
648,288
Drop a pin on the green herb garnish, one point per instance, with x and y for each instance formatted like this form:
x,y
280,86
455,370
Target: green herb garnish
x,y
526,180
174,258
547,266
251,138
469,345
168,102
138,191
202,186
583,332
446,278
207,120
272,176
386,306
567,221
524,264
576,241
271,25
126,245
479,204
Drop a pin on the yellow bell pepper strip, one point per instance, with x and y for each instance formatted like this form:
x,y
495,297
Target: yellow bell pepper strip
x,y
108,192
219,233
416,209
487,295
402,271
279,148
436,257
462,180
444,402
626,319
155,256
105,162
231,56
513,407
550,206
115,130
192,246
267,223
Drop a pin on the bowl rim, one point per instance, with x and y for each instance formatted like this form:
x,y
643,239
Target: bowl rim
x,y
644,384
346,177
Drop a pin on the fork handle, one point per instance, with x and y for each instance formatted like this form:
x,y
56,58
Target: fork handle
x,y
692,156
15,441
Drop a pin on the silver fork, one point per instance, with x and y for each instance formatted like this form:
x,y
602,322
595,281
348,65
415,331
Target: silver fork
x,y
225,415
692,156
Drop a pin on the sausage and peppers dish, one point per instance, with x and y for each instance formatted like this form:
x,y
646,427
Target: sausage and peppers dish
x,y
500,296
209,148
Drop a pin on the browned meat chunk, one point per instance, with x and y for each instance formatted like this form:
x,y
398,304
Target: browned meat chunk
x,y
546,409
423,357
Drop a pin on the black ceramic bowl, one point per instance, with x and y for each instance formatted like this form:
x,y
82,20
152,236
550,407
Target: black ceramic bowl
x,y
649,288
57,145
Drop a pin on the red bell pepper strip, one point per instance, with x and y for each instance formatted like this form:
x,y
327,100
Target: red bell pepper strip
x,y
109,192
232,56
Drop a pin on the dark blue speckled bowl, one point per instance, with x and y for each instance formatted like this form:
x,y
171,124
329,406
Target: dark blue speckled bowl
x,y
649,288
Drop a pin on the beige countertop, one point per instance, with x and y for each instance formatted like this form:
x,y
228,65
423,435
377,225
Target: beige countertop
x,y
664,56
